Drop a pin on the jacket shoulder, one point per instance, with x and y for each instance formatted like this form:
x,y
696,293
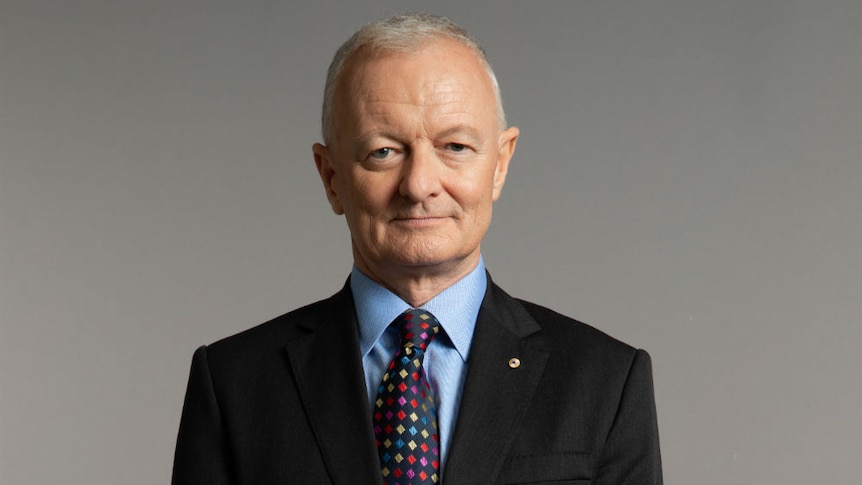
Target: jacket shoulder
x,y
567,331
275,333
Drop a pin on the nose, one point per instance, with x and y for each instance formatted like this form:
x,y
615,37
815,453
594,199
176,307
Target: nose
x,y
422,174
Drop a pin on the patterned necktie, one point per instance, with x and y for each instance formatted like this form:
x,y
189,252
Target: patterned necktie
x,y
405,421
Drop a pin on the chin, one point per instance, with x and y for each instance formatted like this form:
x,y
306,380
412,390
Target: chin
x,y
422,251
418,260
429,259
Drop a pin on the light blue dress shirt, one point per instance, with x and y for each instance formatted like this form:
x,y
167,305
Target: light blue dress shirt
x,y
456,308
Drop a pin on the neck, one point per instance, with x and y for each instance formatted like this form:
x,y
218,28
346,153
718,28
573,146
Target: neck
x,y
418,284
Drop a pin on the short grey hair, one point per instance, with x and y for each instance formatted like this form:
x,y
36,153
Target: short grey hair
x,y
401,33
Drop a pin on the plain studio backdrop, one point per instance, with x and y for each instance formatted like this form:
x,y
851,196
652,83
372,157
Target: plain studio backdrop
x,y
688,179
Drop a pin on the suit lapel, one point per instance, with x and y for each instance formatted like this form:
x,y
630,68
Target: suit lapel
x,y
328,370
496,395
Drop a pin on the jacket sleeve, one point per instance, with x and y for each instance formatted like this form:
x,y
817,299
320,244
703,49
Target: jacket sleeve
x,y
631,452
202,455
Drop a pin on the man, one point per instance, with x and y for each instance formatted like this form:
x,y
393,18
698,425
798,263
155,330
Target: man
x,y
496,390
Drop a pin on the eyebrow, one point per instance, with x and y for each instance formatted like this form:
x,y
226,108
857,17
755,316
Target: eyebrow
x,y
465,130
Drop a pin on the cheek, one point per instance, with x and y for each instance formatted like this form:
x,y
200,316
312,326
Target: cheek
x,y
368,196
475,192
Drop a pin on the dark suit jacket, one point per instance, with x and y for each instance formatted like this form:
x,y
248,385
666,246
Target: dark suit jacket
x,y
286,403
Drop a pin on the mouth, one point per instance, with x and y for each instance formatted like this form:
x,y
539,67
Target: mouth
x,y
419,221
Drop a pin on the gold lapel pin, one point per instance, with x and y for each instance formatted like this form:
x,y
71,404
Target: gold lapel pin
x,y
514,362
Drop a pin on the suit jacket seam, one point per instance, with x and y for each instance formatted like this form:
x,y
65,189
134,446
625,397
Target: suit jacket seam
x,y
221,416
614,422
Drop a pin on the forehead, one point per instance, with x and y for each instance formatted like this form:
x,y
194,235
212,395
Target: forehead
x,y
441,76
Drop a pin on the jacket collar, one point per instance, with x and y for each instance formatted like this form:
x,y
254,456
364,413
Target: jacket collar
x,y
498,389
327,368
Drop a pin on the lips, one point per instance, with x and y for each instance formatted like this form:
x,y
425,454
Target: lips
x,y
421,215
420,220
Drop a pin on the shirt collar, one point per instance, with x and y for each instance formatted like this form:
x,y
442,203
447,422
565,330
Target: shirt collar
x,y
456,308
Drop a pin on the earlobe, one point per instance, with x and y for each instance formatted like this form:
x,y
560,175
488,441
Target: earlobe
x,y
325,168
508,140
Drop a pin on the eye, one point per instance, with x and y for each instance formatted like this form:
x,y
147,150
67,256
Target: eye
x,y
457,147
381,153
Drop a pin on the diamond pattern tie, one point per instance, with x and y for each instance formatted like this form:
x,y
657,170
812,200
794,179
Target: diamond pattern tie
x,y
405,420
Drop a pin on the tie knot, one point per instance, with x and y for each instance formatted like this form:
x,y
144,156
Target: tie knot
x,y
418,327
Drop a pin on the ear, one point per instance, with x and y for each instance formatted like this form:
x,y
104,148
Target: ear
x,y
508,140
326,168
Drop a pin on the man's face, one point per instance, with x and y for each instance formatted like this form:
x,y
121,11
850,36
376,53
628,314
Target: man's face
x,y
419,158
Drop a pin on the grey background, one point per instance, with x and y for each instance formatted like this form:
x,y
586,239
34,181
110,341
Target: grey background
x,y
688,180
